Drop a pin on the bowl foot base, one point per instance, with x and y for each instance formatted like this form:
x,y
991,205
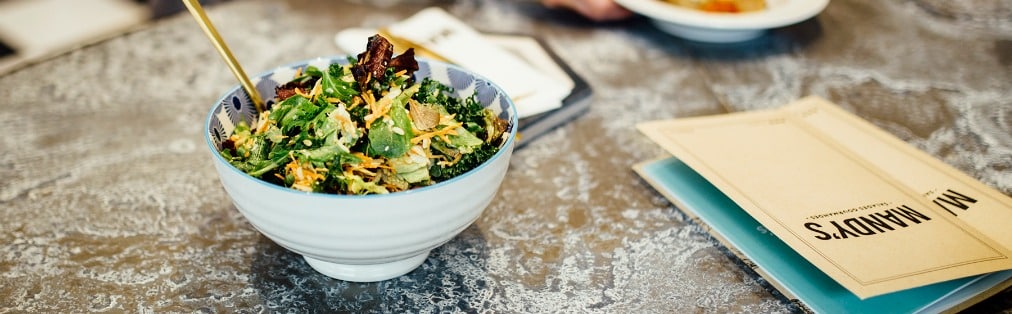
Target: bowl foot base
x,y
370,272
709,35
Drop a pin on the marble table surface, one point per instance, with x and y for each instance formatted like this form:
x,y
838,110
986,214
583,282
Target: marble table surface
x,y
109,201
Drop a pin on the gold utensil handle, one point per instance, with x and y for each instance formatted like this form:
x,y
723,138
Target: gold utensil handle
x,y
205,24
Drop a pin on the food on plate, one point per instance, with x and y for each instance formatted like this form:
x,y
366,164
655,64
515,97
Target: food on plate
x,y
368,127
725,6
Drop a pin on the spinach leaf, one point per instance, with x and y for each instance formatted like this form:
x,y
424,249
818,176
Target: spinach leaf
x,y
338,82
390,137
302,110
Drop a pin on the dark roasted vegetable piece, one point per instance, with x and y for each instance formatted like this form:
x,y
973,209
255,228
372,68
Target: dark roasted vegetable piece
x,y
228,145
405,61
372,63
288,89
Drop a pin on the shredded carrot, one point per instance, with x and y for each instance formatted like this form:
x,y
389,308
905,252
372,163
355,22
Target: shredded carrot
x,y
301,93
449,163
263,122
378,108
355,102
305,175
316,91
441,133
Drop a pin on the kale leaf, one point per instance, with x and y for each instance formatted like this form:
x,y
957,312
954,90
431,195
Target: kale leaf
x,y
466,163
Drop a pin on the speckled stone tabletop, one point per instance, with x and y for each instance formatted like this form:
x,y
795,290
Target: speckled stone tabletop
x,y
109,201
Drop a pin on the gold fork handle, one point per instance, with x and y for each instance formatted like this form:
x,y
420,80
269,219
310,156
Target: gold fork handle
x,y
205,24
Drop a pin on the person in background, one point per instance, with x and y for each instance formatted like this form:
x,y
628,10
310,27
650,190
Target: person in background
x,y
597,10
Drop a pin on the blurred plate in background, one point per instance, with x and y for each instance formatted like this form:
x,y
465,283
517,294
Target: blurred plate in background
x,y
718,27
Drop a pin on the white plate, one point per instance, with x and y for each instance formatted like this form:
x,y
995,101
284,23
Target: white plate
x,y
723,27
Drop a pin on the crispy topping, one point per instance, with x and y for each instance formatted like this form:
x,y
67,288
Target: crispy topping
x,y
424,116
405,62
372,63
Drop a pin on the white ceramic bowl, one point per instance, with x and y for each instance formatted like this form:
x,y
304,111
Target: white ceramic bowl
x,y
366,237
723,27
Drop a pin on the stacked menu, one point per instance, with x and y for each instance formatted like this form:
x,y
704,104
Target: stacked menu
x,y
835,212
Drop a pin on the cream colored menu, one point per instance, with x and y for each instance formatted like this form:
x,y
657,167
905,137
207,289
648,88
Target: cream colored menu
x,y
872,212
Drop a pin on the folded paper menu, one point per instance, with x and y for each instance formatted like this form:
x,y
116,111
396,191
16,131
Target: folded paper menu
x,y
871,212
